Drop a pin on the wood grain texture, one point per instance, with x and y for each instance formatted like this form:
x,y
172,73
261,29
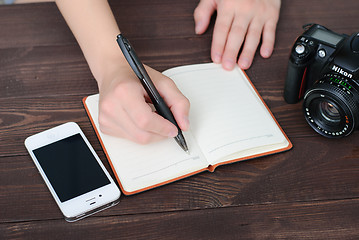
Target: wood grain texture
x,y
317,220
309,192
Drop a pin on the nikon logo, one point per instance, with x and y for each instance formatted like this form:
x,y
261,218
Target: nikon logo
x,y
341,71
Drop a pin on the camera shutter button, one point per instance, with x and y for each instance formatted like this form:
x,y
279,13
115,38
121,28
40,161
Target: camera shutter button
x,y
300,49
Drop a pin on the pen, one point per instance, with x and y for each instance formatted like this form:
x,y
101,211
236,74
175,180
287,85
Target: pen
x,y
158,102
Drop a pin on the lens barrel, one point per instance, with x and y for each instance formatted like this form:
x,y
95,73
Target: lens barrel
x,y
331,106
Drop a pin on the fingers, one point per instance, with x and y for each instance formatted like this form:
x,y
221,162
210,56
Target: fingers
x,y
258,28
124,112
126,126
268,38
250,46
178,104
202,15
234,42
242,24
220,33
175,100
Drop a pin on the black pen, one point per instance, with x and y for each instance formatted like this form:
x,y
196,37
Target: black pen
x,y
158,102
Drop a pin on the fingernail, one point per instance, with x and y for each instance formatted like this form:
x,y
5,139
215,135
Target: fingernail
x,y
217,58
186,123
266,53
228,64
198,27
173,133
243,63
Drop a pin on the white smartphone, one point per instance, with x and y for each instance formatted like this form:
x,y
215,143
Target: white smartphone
x,y
71,169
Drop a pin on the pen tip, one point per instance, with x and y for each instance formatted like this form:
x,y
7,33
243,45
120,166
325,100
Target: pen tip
x,y
182,142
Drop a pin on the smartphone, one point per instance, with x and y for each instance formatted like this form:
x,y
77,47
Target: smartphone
x,y
71,169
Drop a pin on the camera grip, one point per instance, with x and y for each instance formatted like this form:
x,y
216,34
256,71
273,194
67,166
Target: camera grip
x,y
294,83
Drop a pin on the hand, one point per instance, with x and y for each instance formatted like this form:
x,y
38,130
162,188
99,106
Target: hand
x,y
124,110
239,22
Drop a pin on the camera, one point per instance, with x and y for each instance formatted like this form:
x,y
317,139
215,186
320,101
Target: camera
x,y
323,69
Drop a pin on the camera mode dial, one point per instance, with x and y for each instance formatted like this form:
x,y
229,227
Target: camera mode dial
x,y
300,49
302,52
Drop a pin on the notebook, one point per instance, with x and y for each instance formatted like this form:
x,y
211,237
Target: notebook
x,y
229,122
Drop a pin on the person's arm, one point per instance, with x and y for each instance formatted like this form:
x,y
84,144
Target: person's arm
x,y
124,111
239,22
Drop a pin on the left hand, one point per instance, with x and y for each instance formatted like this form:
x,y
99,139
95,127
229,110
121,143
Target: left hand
x,y
239,22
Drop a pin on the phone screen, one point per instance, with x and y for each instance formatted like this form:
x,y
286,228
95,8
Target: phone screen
x,y
71,167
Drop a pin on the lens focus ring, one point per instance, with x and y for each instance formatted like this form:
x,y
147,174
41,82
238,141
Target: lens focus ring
x,y
330,108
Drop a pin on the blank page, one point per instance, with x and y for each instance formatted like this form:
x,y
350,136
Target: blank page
x,y
226,114
141,166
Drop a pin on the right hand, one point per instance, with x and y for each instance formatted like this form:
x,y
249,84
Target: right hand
x,y
124,109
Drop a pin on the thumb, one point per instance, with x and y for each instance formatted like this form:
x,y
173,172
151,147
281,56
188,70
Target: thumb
x,y
202,15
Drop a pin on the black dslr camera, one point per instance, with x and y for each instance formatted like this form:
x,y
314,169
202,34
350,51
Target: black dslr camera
x,y
324,70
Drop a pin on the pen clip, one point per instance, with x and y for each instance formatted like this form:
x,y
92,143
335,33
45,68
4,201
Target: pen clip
x,y
130,55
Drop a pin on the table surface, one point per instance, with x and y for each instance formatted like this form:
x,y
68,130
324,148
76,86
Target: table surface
x,y
309,192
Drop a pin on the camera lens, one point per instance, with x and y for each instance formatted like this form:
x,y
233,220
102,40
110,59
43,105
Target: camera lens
x,y
325,114
329,112
331,106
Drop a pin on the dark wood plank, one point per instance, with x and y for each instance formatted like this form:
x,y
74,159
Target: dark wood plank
x,y
41,71
310,192
295,176
311,220
36,72
22,117
42,24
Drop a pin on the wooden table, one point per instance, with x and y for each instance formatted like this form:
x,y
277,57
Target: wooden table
x,y
310,192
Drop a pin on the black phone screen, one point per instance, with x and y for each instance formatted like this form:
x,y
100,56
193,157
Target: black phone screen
x,y
70,167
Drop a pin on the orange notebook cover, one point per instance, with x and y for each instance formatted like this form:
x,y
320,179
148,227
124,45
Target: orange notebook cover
x,y
229,120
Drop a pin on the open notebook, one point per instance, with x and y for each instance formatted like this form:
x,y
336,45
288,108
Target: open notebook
x,y
229,122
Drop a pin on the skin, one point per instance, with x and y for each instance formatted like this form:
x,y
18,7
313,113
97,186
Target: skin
x,y
123,109
239,22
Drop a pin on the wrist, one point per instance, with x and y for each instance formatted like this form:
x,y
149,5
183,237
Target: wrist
x,y
109,68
